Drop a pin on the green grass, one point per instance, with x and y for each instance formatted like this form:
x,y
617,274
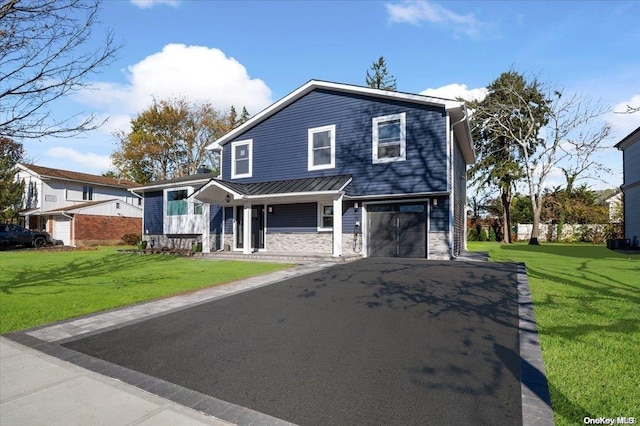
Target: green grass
x,y
587,306
38,287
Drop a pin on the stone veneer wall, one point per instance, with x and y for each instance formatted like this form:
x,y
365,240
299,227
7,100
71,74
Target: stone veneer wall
x,y
439,246
299,242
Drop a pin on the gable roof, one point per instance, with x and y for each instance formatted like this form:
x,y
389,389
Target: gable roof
x,y
457,110
629,140
49,173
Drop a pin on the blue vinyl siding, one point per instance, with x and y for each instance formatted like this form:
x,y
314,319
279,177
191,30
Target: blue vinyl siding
x,y
350,217
153,203
281,147
440,216
228,220
301,217
215,219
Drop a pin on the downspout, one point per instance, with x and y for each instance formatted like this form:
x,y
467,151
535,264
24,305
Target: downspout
x,y
453,186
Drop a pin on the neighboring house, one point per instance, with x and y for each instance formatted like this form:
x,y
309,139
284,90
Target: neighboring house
x,y
78,208
615,204
630,147
333,169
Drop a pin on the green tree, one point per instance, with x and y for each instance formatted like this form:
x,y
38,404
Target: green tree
x,y
46,54
169,140
379,77
11,191
233,117
521,209
498,157
244,116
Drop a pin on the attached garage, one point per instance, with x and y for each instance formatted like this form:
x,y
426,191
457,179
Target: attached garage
x,y
397,230
62,229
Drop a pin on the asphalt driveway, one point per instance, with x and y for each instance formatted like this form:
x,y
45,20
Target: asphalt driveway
x,y
377,341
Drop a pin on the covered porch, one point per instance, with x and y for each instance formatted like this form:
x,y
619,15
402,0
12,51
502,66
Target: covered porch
x,y
252,204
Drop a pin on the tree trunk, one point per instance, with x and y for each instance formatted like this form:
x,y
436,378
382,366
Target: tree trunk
x,y
506,216
536,206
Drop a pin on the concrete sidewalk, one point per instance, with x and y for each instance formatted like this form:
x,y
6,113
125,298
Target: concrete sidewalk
x,y
38,389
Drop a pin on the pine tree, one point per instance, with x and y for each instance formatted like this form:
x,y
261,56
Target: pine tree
x,y
380,78
244,115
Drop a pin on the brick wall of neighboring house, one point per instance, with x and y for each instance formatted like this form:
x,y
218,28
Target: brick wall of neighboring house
x,y
103,230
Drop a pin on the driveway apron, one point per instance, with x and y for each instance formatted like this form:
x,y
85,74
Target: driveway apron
x,y
377,341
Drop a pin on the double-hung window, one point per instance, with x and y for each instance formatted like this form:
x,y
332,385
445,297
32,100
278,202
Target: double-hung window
x,y
389,138
322,148
325,217
241,158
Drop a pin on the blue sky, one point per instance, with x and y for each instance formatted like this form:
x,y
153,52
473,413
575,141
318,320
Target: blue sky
x,y
254,53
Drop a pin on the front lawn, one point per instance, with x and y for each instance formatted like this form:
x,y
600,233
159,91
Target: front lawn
x,y
587,305
38,287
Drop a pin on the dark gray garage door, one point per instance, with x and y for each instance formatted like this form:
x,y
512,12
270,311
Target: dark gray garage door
x,y
397,230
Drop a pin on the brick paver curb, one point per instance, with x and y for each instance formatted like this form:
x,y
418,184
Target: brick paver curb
x,y
536,401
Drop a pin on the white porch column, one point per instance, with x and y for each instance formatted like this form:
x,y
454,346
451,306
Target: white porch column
x,y
246,228
337,226
206,233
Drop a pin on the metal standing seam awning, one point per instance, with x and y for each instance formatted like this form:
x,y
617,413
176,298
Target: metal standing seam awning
x,y
221,192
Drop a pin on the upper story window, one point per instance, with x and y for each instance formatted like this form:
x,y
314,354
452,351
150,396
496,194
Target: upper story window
x,y
87,193
241,159
177,202
322,148
197,208
389,138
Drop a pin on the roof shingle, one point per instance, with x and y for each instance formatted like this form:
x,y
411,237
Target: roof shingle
x,y
79,177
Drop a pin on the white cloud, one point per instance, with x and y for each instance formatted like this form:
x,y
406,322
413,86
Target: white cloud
x,y
145,4
455,90
85,160
416,11
198,73
622,124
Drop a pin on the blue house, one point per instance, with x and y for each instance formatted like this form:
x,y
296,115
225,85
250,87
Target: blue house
x,y
331,169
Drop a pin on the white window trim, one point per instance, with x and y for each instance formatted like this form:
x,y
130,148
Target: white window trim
x,y
190,206
321,207
332,145
403,137
235,175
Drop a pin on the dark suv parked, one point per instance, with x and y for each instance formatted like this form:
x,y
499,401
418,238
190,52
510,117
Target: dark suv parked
x,y
14,235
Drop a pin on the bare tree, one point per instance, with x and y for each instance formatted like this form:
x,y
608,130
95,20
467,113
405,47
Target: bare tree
x,y
569,136
45,55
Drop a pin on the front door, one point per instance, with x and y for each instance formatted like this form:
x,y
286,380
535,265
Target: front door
x,y
257,227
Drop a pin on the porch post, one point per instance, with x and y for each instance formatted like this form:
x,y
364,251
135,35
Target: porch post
x,y
337,226
246,228
206,246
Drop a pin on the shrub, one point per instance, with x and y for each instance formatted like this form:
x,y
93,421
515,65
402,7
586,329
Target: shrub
x,y
472,235
483,235
613,231
131,239
492,234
